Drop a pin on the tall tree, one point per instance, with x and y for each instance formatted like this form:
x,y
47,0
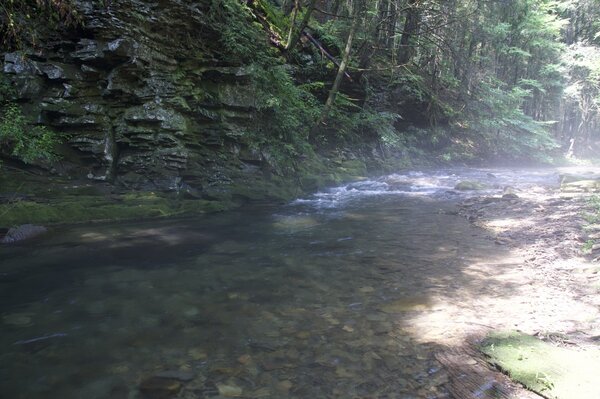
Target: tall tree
x,y
358,8
295,34
410,31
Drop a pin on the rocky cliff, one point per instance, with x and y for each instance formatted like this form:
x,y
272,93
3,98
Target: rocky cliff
x,y
147,99
144,97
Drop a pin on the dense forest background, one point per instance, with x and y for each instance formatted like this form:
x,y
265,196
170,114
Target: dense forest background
x,y
505,79
459,80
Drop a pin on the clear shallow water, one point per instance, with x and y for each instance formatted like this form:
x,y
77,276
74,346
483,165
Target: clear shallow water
x,y
308,300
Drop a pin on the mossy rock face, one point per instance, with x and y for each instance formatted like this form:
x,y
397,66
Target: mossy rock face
x,y
468,185
553,371
580,183
567,178
581,186
78,209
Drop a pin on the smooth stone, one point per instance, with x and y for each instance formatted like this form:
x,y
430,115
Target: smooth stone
x,y
303,335
285,386
229,390
159,388
191,312
180,375
261,393
468,185
197,354
18,319
274,364
406,305
23,232
244,359
341,372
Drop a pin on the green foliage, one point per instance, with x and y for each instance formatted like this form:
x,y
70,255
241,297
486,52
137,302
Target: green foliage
x,y
18,138
241,36
502,128
289,109
330,34
594,205
20,18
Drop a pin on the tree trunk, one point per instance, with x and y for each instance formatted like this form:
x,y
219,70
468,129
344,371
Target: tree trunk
x,y
411,29
295,36
342,69
293,22
391,24
335,8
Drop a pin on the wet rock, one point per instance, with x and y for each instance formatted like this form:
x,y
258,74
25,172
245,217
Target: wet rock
x,y
581,186
406,305
180,375
261,393
366,289
17,63
284,386
275,364
23,232
159,388
229,390
469,185
244,359
18,319
191,312
105,387
302,334
567,178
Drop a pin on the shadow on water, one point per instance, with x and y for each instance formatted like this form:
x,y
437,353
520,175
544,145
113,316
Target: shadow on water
x,y
339,302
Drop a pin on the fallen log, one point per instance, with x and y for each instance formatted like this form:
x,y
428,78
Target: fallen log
x,y
316,43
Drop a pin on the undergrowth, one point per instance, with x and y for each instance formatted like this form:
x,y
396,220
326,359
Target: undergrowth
x,y
592,218
19,138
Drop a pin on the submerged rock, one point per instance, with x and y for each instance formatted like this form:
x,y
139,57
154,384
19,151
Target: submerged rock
x,y
18,319
468,185
406,305
159,388
23,232
229,390
179,375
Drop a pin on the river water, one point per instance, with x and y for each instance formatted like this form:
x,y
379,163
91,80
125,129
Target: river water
x,y
313,299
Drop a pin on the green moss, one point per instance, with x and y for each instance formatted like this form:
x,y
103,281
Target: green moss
x,y
351,169
96,208
275,189
587,186
556,372
467,185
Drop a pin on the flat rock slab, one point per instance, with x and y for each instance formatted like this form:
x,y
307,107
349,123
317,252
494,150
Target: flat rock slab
x,y
23,232
576,183
553,371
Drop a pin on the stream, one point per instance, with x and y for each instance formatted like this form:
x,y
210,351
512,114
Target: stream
x,y
319,298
